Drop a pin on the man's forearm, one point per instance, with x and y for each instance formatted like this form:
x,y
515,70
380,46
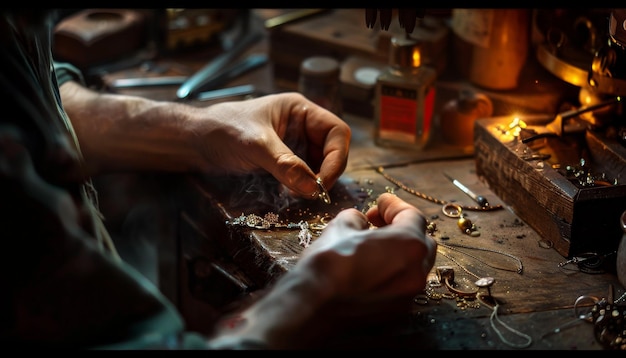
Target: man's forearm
x,y
120,133
290,316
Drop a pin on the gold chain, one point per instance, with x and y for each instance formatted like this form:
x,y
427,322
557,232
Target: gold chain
x,y
401,185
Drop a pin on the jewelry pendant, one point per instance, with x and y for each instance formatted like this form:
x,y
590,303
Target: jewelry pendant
x,y
486,282
465,225
323,193
271,221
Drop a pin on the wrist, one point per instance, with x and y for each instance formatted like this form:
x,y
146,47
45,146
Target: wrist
x,y
286,318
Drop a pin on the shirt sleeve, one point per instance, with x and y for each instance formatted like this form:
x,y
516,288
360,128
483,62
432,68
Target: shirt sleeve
x,y
65,72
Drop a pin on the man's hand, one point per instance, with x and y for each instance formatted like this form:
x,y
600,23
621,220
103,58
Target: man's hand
x,y
350,276
283,134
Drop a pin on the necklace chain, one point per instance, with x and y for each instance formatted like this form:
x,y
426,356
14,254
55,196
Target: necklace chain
x,y
454,247
459,264
404,187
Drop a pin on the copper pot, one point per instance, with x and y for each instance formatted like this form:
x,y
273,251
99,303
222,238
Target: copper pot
x,y
491,45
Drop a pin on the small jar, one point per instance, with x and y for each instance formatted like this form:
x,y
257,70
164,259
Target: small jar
x,y
458,117
319,82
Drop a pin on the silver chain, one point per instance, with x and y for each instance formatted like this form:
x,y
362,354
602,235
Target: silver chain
x,y
450,246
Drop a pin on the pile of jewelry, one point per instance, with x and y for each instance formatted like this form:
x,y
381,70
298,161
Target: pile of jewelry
x,y
272,221
582,175
609,320
466,297
432,292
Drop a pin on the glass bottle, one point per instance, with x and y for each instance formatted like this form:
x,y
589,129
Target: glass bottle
x,y
405,97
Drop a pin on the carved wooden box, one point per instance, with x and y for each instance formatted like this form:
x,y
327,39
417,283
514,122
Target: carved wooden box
x,y
538,180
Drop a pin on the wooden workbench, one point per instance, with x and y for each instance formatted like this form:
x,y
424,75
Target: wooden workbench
x,y
533,302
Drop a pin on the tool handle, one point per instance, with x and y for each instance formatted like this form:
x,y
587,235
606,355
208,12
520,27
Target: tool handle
x,y
228,74
482,201
207,73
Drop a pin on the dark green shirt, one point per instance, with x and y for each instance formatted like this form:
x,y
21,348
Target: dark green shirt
x,y
62,283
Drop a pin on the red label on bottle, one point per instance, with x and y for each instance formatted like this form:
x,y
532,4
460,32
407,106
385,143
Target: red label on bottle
x,y
429,109
398,113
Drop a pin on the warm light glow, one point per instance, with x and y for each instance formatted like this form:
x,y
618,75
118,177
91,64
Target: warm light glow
x,y
515,126
417,60
587,100
517,123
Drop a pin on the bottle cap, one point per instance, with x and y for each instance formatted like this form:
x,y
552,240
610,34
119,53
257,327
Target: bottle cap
x,y
405,52
320,67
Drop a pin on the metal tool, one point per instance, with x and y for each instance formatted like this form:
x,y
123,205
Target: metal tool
x,y
226,92
580,316
205,75
291,17
481,200
578,319
559,125
147,82
230,73
566,122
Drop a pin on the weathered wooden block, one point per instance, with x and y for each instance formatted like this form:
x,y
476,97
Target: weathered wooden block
x,y
575,218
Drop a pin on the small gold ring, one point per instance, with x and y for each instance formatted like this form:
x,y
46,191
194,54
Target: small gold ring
x,y
452,210
445,273
451,288
317,226
325,219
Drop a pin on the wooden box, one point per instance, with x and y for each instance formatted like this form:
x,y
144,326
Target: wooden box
x,y
96,36
576,219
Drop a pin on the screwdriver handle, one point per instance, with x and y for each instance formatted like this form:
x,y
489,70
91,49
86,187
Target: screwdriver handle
x,y
482,201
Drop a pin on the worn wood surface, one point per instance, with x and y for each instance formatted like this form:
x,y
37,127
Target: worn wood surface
x,y
533,302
